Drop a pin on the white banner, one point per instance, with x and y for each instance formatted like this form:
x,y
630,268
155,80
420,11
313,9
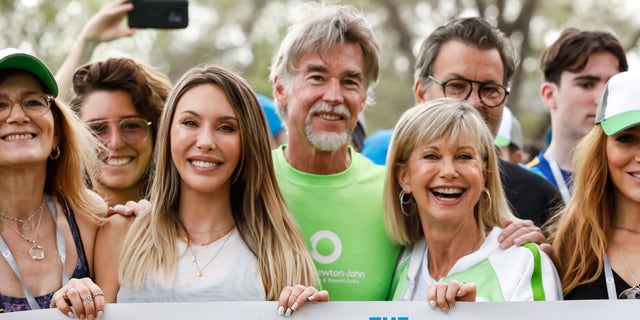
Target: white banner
x,y
586,309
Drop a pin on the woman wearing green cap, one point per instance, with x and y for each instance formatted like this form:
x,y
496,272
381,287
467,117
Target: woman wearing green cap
x,y
596,241
48,217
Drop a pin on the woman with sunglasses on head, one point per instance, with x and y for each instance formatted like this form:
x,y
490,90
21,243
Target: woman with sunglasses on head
x,y
596,238
121,101
48,216
218,228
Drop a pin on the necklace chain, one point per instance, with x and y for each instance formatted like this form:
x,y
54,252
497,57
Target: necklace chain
x,y
25,222
194,252
36,252
624,259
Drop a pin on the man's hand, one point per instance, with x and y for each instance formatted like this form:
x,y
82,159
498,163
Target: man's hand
x,y
518,232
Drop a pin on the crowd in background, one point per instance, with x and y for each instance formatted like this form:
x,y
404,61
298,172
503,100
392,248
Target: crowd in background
x,y
122,187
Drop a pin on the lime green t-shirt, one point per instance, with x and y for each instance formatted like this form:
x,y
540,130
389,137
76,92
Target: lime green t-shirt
x,y
342,221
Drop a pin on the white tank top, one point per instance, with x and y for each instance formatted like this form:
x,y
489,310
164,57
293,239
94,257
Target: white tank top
x,y
233,275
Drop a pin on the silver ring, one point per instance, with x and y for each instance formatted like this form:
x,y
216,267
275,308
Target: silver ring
x,y
87,298
98,294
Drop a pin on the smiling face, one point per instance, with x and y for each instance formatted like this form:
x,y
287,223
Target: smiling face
x,y
623,159
446,179
125,162
325,96
24,140
205,140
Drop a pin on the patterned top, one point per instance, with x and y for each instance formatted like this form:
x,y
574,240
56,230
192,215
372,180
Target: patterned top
x,y
81,270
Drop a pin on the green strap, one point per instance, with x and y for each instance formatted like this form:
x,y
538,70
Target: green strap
x,y
536,278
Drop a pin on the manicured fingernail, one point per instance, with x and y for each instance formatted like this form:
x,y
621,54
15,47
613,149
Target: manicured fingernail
x,y
311,297
294,307
288,313
432,304
459,294
71,315
100,315
280,310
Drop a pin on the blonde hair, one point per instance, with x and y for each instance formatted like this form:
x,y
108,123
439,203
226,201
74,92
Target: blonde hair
x,y
579,232
258,207
76,166
442,118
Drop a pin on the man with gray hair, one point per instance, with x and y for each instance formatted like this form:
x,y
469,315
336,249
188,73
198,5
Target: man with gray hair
x,y
321,76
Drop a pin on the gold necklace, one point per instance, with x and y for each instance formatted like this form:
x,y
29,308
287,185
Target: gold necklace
x,y
36,252
25,222
194,252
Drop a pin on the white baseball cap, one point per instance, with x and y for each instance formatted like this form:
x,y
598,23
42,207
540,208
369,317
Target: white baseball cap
x,y
619,106
509,131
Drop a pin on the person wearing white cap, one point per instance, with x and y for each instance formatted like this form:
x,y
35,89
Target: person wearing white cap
x,y
576,68
596,241
48,216
509,141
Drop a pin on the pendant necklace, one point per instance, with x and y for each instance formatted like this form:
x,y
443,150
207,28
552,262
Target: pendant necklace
x,y
194,253
634,291
25,222
36,252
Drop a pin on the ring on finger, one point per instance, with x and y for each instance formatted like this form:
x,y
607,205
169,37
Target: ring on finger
x,y
99,294
87,298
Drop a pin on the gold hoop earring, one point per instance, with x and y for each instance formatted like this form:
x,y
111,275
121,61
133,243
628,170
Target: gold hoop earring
x,y
55,154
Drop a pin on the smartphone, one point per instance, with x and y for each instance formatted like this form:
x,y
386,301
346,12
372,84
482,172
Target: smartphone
x,y
159,14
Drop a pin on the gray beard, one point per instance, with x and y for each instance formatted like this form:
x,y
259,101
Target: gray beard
x,y
327,141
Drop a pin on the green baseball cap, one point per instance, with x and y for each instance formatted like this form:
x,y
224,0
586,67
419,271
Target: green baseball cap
x,y
12,58
619,106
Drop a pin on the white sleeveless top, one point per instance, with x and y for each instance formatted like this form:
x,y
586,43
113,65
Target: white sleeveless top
x,y
233,275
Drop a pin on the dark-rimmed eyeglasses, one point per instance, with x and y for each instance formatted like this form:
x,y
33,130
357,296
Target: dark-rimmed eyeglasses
x,y
32,104
491,94
131,130
631,293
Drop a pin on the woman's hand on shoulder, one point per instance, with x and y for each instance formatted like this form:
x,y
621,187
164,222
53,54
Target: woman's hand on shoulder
x,y
445,295
86,298
293,298
131,208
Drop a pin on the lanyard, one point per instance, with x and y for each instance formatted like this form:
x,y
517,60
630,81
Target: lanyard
x,y
6,253
608,276
557,175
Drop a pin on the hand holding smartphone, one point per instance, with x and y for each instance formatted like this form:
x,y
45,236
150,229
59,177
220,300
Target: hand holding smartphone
x,y
159,14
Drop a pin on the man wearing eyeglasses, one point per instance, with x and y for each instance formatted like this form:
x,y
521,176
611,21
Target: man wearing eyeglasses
x,y
469,59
